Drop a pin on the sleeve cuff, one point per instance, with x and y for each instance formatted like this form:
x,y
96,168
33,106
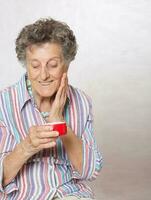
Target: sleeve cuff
x,y
92,164
89,161
12,185
88,166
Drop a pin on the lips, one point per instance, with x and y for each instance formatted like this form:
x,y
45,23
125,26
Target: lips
x,y
45,83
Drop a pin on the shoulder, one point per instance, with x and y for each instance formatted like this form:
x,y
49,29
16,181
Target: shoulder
x,y
7,96
9,102
4,93
78,96
10,89
5,101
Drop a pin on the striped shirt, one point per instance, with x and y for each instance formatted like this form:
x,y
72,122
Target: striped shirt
x,y
49,173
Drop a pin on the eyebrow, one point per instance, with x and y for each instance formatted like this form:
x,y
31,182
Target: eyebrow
x,y
55,57
59,58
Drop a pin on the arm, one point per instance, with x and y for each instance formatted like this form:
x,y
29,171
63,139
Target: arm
x,y
88,162
83,152
7,144
71,142
92,158
39,137
73,146
13,162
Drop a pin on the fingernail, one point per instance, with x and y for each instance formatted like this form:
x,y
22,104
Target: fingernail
x,y
50,128
57,133
53,143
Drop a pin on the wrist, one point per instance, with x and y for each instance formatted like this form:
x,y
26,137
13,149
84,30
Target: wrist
x,y
56,119
21,152
26,148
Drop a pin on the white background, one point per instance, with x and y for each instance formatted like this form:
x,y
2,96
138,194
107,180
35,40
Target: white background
x,y
113,66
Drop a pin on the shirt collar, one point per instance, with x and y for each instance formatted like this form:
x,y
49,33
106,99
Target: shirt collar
x,y
23,92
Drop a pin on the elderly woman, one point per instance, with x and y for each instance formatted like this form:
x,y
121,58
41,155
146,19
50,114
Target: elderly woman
x,y
36,163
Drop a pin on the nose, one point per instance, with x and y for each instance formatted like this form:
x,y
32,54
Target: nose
x,y
44,73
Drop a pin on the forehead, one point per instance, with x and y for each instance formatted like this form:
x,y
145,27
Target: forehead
x,y
44,51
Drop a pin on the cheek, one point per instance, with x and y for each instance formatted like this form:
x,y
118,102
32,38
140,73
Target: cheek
x,y
32,75
58,74
58,81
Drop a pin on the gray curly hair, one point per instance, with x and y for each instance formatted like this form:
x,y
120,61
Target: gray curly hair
x,y
47,30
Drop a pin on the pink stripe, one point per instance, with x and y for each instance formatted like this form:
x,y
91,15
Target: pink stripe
x,y
17,114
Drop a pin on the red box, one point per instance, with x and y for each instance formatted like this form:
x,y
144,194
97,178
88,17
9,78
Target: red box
x,y
61,127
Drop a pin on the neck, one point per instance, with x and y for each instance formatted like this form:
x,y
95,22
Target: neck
x,y
43,103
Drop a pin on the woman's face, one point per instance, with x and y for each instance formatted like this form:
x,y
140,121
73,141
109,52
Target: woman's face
x,y
45,67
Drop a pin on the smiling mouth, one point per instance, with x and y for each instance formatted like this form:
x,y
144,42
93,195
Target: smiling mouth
x,y
45,83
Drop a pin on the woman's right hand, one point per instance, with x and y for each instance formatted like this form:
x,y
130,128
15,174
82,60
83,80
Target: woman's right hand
x,y
39,137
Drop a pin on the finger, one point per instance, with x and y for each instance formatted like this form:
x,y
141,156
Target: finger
x,y
50,134
44,128
63,89
66,85
66,80
47,140
47,145
63,80
63,97
58,103
62,85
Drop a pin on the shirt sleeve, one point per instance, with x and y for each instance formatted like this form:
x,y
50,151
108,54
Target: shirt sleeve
x,y
92,157
7,144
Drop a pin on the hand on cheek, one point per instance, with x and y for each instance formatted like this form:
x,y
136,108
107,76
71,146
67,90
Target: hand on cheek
x,y
59,101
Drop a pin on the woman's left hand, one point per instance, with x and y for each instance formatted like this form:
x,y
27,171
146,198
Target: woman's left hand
x,y
56,112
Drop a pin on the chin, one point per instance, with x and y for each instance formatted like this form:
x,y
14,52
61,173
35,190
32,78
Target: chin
x,y
47,94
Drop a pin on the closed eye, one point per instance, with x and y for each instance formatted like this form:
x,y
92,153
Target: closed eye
x,y
35,66
52,64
